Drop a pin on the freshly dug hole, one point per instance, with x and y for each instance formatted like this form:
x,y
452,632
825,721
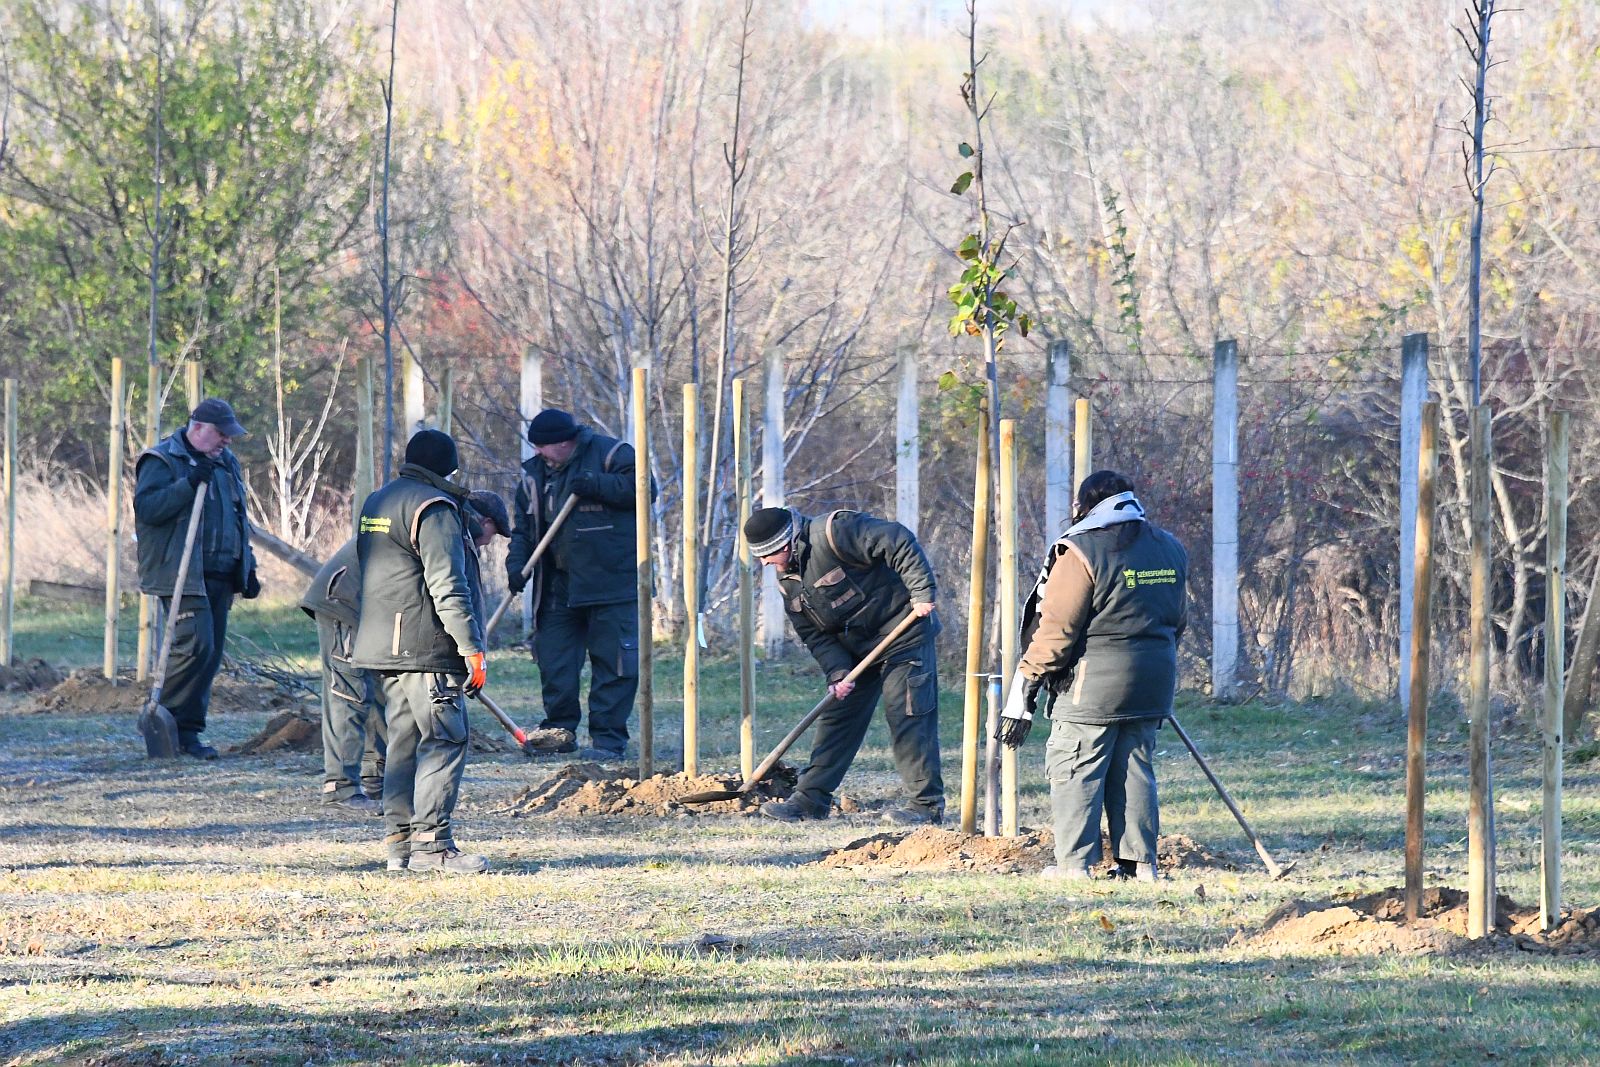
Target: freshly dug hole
x,y
86,691
28,676
931,848
590,789
288,731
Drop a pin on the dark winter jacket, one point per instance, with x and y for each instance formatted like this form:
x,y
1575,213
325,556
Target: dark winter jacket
x,y
335,593
850,580
162,499
417,611
595,547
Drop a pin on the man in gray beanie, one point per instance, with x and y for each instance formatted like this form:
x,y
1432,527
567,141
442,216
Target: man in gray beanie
x,y
848,579
585,587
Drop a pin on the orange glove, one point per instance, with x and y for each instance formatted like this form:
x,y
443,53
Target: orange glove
x,y
478,676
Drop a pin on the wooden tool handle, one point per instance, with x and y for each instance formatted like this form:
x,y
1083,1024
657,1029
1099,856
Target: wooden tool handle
x,y
527,568
171,627
505,720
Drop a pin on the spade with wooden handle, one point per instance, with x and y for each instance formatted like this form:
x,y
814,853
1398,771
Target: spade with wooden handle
x,y
505,720
156,724
527,568
804,724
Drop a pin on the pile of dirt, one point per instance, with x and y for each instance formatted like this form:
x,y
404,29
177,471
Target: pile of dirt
x,y
287,731
86,691
931,848
589,789
1375,923
26,677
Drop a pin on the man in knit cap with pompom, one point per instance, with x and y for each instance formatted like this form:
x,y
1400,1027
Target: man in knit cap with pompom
x,y
585,586
847,580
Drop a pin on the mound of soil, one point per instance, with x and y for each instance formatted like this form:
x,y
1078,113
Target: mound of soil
x,y
589,789
1375,924
931,848
87,692
287,731
26,677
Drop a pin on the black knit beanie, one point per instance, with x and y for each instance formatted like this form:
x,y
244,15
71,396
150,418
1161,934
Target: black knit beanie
x,y
769,529
434,450
552,426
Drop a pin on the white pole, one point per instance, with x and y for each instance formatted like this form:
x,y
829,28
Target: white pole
x,y
531,402
908,450
1058,486
1225,520
772,618
1413,391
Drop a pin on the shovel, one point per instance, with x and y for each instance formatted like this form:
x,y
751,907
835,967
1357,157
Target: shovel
x,y
1273,868
527,568
505,720
710,795
156,724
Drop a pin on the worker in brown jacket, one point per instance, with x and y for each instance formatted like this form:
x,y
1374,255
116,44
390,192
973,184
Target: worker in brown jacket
x,y
1100,636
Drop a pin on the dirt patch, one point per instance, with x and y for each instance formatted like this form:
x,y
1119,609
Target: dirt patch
x,y
590,789
1375,923
26,677
288,731
87,692
931,848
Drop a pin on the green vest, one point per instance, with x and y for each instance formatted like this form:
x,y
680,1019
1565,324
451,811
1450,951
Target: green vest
x,y
335,593
1129,665
416,600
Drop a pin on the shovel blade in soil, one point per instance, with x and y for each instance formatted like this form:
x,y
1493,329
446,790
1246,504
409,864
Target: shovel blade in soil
x,y
160,732
710,796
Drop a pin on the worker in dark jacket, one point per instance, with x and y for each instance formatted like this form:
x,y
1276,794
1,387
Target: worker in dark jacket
x,y
419,634
1100,637
585,587
486,519
352,708
847,580
169,475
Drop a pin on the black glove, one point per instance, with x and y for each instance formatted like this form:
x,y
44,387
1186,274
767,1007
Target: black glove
x,y
252,585
200,470
586,484
1016,720
516,581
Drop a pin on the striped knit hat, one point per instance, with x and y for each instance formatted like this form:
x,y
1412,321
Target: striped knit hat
x,y
769,529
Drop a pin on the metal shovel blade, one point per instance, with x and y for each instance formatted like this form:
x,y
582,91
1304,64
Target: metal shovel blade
x,y
160,732
709,796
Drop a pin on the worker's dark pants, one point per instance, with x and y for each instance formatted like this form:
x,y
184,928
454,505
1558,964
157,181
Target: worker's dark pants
x,y
426,715
910,692
197,643
608,636
1096,765
352,719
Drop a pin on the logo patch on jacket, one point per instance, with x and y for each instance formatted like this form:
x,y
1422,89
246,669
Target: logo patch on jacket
x,y
371,525
1163,576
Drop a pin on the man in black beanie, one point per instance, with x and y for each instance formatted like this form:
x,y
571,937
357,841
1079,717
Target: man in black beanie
x,y
847,580
585,587
421,637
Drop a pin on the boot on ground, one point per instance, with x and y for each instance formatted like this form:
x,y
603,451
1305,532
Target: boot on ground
x,y
191,745
913,815
795,809
356,803
399,852
1138,870
1069,873
450,861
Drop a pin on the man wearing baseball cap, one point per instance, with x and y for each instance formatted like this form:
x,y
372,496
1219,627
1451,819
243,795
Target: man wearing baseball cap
x,y
169,475
585,587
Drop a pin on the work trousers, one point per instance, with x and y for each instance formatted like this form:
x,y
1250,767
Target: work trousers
x,y
426,716
197,644
909,689
352,719
607,635
1095,766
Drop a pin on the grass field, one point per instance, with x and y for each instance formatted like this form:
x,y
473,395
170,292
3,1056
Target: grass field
x,y
189,913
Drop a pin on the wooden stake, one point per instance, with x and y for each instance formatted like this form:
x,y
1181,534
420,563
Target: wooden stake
x,y
1082,449
108,665
447,397
194,382
976,601
642,516
1555,653
149,606
747,584
1009,635
1480,782
366,440
1413,392
1421,635
8,475
691,580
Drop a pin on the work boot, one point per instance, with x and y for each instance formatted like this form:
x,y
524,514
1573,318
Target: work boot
x,y
357,803
191,745
913,815
1069,873
399,849
450,861
552,740
795,809
1138,871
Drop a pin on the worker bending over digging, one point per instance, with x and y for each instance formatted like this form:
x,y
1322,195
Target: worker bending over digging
x,y
847,580
421,636
1100,636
